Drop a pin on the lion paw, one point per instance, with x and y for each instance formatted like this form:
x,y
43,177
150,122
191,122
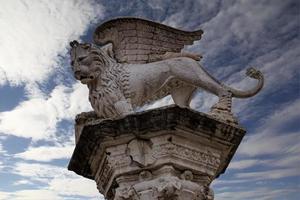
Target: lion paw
x,y
196,57
84,116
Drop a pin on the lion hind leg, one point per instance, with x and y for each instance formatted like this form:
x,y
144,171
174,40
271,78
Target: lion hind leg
x,y
193,74
222,109
182,96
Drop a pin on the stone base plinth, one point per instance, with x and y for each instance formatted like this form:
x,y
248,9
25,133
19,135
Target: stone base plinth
x,y
166,153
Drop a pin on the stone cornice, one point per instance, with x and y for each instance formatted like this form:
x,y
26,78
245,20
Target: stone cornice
x,y
139,125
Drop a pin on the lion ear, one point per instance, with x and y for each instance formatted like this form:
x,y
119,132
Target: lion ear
x,y
74,43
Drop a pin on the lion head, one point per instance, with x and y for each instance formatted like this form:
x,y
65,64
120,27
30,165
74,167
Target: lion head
x,y
87,61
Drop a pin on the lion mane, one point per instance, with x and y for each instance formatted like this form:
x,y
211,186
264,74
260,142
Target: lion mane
x,y
112,77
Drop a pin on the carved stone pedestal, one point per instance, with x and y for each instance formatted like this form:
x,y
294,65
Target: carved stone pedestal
x,y
161,154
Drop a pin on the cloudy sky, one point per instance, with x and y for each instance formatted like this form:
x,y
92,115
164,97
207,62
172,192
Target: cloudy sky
x,y
39,97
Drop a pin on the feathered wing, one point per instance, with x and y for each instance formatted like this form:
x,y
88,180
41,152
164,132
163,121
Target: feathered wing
x,y
141,41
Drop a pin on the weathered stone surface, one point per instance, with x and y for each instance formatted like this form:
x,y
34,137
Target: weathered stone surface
x,y
147,33
166,153
115,89
144,59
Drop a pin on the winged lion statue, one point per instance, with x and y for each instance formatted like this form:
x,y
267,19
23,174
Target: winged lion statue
x,y
140,61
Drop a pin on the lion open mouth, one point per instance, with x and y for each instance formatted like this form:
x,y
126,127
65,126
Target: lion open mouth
x,y
85,79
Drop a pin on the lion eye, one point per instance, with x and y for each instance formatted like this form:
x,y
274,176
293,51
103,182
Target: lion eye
x,y
81,59
86,46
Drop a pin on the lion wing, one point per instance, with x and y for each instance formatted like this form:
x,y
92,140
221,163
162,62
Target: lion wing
x,y
142,41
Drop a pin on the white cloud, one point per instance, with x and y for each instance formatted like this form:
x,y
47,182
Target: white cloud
x,y
35,194
4,195
203,101
242,164
287,161
46,153
159,103
268,144
185,15
3,155
2,151
37,117
40,172
269,138
59,181
34,33
228,182
274,121
74,186
241,22
248,193
23,182
78,100
32,36
270,174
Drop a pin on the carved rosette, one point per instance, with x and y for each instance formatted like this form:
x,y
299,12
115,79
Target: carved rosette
x,y
158,154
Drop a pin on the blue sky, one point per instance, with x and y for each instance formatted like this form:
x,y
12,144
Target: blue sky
x,y
39,97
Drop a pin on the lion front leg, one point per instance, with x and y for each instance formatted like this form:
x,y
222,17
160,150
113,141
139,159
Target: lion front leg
x,y
123,107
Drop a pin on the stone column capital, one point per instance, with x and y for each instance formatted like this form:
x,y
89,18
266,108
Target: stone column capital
x,y
165,153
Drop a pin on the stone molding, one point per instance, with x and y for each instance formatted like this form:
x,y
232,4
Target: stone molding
x,y
156,154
